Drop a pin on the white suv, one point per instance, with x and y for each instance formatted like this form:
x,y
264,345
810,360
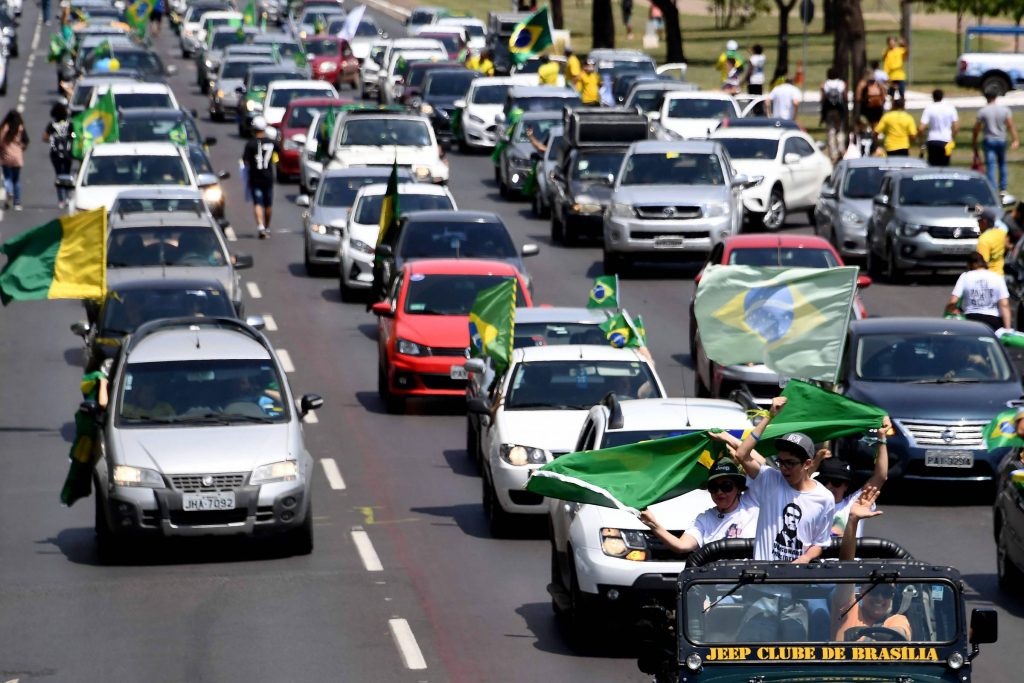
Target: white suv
x,y
373,138
591,580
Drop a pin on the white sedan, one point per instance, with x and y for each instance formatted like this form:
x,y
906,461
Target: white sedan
x,y
281,93
687,115
792,165
480,108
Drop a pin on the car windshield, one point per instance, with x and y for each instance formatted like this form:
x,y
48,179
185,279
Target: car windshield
x,y
576,384
143,100
156,128
368,211
540,128
450,41
320,14
474,31
673,168
135,169
448,84
441,239
930,359
261,79
301,116
490,94
146,63
202,392
82,95
783,257
449,294
697,108
544,103
750,148
164,246
237,68
126,205
341,192
222,39
200,162
381,132
366,29
556,334
648,100
597,165
281,98
864,182
320,47
611,439
125,310
755,613
941,190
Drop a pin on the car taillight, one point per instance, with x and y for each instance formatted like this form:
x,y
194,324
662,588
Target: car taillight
x,y
963,65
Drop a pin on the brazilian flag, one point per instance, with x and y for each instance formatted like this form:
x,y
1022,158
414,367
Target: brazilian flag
x,y
492,322
623,331
531,36
94,126
389,207
504,140
249,14
605,292
1001,432
137,15
326,131
178,134
102,51
78,483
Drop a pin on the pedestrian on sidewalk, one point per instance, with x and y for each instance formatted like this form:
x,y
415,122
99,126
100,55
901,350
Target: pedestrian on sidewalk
x,y
993,121
627,17
13,143
259,160
898,130
834,111
942,123
156,16
981,295
870,97
894,63
784,100
58,135
755,71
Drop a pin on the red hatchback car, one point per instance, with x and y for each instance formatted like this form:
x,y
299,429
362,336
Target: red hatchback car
x,y
331,59
423,326
296,121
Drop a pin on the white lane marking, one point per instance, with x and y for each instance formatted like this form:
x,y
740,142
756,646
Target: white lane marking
x,y
286,360
229,233
35,36
332,473
407,647
366,552
254,290
310,418
270,325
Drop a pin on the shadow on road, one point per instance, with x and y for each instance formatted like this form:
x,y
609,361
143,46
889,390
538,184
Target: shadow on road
x,y
368,330
986,591
552,636
73,357
415,406
460,463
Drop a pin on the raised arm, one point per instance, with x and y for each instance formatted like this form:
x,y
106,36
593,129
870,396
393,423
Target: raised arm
x,y
881,473
744,456
860,509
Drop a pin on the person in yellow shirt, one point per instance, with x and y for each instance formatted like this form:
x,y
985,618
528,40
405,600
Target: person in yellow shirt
x,y
548,71
573,68
994,241
893,62
473,61
589,85
486,66
899,129
732,50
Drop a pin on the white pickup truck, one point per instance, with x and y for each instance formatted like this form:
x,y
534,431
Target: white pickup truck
x,y
1001,70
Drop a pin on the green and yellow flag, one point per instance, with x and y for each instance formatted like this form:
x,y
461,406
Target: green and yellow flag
x,y
492,321
389,206
102,51
137,16
249,14
326,131
605,292
78,482
1001,432
622,331
531,36
95,126
178,134
794,320
503,141
63,259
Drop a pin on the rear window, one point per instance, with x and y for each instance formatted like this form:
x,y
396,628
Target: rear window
x,y
695,108
164,246
126,310
135,170
368,211
449,294
281,98
783,257
490,94
143,100
422,239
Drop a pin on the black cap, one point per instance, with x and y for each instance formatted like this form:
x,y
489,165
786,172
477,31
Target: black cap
x,y
835,469
797,443
725,467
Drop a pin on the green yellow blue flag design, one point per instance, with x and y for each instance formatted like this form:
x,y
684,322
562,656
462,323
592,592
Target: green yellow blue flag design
x,y
389,205
622,331
492,324
1001,432
531,36
137,15
794,320
102,51
63,259
178,134
95,126
605,292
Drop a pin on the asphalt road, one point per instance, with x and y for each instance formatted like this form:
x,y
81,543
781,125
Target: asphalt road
x,y
475,607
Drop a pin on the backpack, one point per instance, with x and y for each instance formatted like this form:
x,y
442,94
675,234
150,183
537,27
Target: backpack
x,y
874,95
834,97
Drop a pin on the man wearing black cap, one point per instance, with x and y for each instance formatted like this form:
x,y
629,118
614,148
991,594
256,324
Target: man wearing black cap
x,y
795,511
733,515
836,475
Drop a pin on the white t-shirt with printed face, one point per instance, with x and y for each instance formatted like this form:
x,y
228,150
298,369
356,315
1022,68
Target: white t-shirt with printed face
x,y
939,117
740,523
790,521
981,290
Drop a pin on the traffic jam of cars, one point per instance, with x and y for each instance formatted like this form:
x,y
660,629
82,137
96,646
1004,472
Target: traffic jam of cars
x,y
718,529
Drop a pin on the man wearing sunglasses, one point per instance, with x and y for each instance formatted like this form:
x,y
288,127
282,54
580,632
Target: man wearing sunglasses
x,y
733,515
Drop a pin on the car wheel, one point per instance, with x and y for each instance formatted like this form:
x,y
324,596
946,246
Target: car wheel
x,y
873,265
995,83
1020,315
108,546
281,177
569,236
498,521
893,274
556,581
811,221
613,263
1011,577
581,619
348,294
299,541
392,403
503,189
216,116
472,442
540,209
775,217
557,229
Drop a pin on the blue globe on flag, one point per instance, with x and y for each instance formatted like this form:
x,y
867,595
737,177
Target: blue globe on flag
x,y
768,311
523,38
475,340
617,339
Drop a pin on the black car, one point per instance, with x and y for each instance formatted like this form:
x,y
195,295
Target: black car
x,y
1008,522
441,88
581,186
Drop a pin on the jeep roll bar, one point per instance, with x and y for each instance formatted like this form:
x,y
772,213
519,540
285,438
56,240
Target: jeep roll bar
x,y
743,549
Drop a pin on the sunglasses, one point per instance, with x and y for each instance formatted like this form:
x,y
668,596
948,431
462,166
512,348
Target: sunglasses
x,y
723,486
787,463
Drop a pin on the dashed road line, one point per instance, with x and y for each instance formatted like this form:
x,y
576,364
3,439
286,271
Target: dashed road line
x,y
286,360
29,64
332,473
407,646
230,234
366,552
269,324
254,290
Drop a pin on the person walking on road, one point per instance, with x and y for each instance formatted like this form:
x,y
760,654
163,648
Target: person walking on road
x,y
833,112
942,123
994,240
981,295
627,17
784,100
13,143
44,8
58,136
755,71
898,129
259,160
589,85
992,122
870,97
156,16
894,63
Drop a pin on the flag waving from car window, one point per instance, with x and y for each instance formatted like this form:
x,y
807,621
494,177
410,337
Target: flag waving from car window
x,y
492,322
389,205
531,36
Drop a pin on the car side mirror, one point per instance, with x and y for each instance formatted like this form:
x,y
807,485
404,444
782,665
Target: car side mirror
x,y
530,250
66,181
984,626
476,365
171,70
206,179
881,199
820,144
863,281
382,308
242,261
302,200
309,403
385,250
791,158
828,193
499,117
459,104
81,328
224,175
478,406
255,321
654,115
740,180
299,139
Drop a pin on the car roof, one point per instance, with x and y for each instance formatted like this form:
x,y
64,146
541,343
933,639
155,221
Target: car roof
x,y
934,171
147,112
541,116
496,80
532,354
117,149
301,83
178,219
272,37
882,162
678,413
118,87
753,133
699,95
681,146
195,343
275,68
559,314
541,91
319,101
911,325
364,172
161,193
756,241
460,267
456,216
165,283
407,187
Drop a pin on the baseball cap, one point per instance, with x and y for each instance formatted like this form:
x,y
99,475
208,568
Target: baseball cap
x,y
732,45
989,215
259,123
725,467
797,443
835,469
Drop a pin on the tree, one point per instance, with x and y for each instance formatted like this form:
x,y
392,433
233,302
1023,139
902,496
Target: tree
x,y
1015,10
557,17
782,61
849,47
602,24
673,34
736,13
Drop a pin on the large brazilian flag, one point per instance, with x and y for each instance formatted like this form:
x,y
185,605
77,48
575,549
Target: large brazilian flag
x,y
492,322
137,15
531,36
95,126
63,259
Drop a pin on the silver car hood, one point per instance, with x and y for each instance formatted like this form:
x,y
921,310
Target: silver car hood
x,y
204,449
221,274
336,217
945,216
861,207
670,194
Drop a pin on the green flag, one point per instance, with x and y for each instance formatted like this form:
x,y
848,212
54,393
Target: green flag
x,y
178,134
95,126
102,51
389,206
503,141
78,482
622,331
492,324
605,292
531,36
137,16
300,58
249,14
530,181
1001,432
57,48
794,320
325,132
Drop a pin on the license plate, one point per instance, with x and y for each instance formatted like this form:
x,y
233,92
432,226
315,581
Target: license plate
x,y
668,242
949,459
963,249
202,502
458,372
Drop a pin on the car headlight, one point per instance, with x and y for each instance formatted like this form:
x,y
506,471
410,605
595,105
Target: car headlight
x,y
283,470
327,66
361,246
220,94
626,543
210,64
426,109
408,348
213,194
586,204
421,171
622,210
126,475
476,119
523,455
714,209
250,105
852,218
910,229
519,162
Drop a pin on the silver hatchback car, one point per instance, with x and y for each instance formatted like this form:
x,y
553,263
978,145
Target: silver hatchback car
x,y
201,437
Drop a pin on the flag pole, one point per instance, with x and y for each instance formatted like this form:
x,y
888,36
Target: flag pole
x,y
618,292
